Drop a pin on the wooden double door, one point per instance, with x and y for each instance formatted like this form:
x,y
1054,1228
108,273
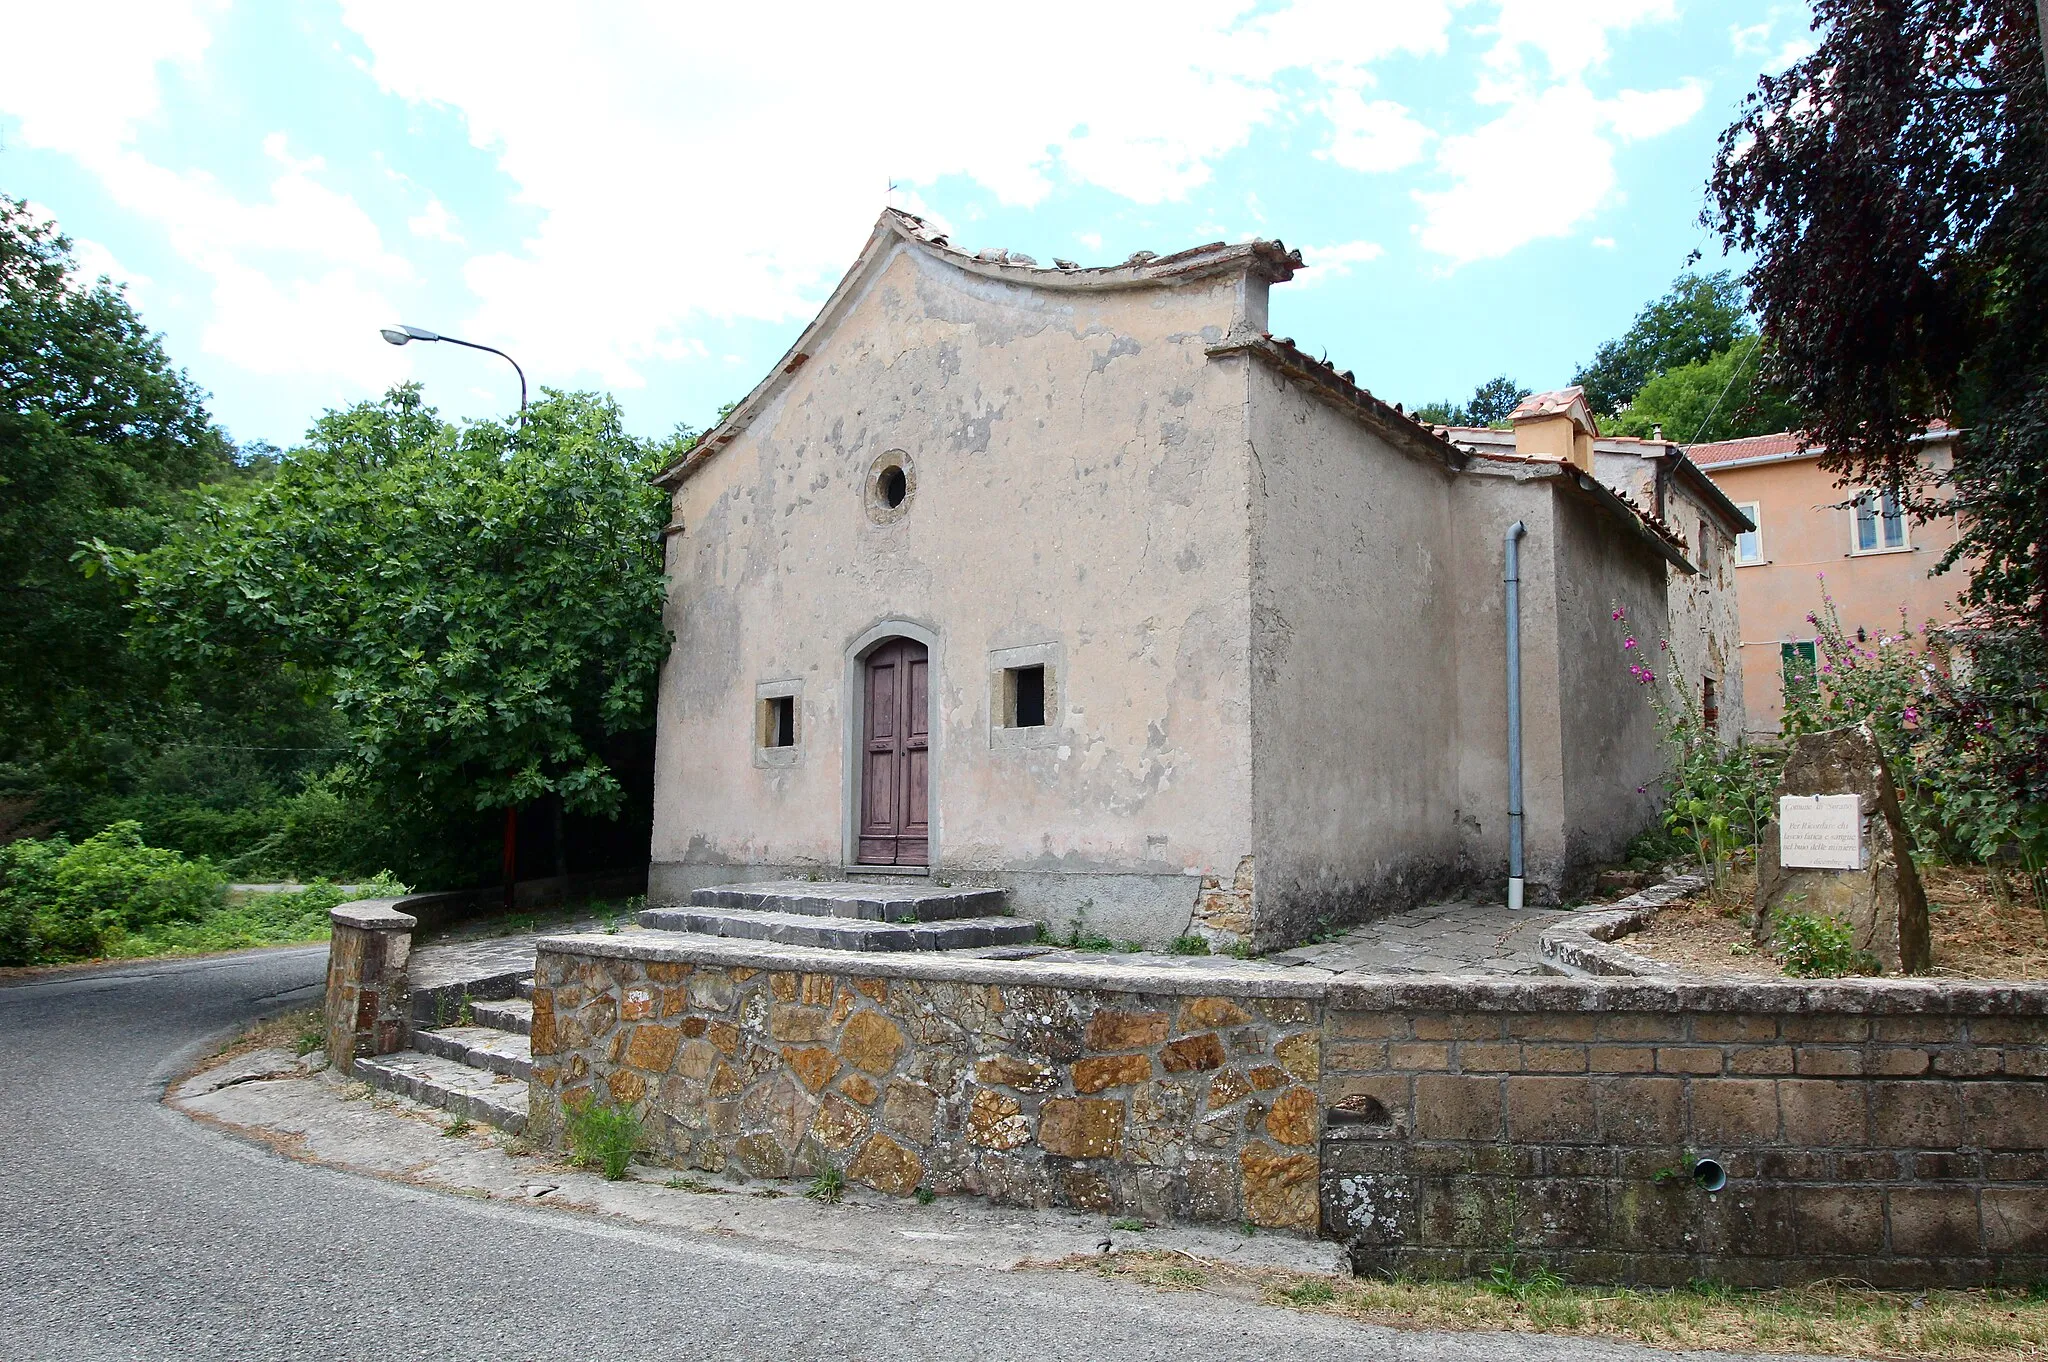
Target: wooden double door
x,y
895,777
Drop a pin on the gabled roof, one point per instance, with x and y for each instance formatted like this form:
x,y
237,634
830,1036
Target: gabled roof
x,y
1562,402
1271,260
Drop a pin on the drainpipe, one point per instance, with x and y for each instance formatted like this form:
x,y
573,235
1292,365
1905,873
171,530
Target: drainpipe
x,y
1513,579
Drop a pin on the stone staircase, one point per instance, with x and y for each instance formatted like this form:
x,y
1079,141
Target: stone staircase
x,y
476,1068
849,917
471,1054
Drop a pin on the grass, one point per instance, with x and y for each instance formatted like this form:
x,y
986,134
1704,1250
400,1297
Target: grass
x,y
697,1185
828,1187
926,1196
460,1126
1127,1222
1989,1325
261,920
602,1135
1188,945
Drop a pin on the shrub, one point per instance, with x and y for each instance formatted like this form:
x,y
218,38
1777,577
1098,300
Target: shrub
x,y
602,1135
1190,944
1814,947
59,901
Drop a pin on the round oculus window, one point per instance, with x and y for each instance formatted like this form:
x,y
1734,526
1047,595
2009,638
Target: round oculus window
x,y
892,481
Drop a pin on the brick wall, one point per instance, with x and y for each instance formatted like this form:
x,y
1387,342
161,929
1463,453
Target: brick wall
x,y
1161,1099
1888,1133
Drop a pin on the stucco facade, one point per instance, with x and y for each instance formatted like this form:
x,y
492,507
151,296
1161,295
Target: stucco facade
x,y
1806,534
1264,609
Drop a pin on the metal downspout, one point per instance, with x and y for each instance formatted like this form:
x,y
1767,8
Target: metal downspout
x,y
1513,579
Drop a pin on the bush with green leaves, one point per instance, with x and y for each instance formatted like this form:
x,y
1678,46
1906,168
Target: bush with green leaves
x,y
62,901
601,1135
1814,947
1718,795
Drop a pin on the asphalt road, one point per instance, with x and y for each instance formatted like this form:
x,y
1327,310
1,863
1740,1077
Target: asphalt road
x,y
127,1230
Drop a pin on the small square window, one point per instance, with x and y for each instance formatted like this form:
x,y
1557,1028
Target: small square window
x,y
1024,697
1749,545
778,721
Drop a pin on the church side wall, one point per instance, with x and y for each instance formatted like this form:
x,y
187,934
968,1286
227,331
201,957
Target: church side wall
x,y
1354,705
1078,499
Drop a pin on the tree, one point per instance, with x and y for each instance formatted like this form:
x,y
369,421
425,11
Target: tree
x,y
1491,401
484,604
1718,398
1893,191
98,438
1700,316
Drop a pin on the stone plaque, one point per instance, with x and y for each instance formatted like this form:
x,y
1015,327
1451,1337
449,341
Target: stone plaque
x,y
1820,832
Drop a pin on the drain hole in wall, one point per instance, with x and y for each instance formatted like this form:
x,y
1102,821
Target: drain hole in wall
x,y
893,486
1710,1175
1360,1110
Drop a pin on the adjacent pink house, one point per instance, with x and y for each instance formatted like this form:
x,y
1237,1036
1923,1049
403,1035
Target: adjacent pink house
x,y
1875,560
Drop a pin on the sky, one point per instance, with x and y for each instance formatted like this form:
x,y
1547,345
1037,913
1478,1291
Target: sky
x,y
652,199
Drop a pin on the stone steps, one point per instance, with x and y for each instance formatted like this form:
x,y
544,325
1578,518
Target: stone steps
x,y
480,1047
862,902
843,933
505,1014
455,1087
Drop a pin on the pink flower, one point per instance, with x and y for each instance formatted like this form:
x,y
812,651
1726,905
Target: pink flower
x,y
1629,642
1619,613
1827,668
1663,645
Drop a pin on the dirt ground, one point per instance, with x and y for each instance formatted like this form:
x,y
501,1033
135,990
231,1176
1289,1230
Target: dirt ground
x,y
1978,932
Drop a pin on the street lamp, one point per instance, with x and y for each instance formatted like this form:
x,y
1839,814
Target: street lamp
x,y
402,334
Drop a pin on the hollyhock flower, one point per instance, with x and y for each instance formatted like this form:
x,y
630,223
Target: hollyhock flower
x,y
1619,613
1629,642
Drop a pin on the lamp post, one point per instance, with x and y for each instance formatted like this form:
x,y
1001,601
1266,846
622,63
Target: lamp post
x,y
402,335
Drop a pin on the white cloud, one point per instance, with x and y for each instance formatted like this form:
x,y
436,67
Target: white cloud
x,y
435,223
1605,243
1571,35
1370,137
1334,262
1749,39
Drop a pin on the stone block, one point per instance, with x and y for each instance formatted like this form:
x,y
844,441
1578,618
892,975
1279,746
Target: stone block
x,y
1356,1056
1910,1115
1110,1029
1211,1014
1936,1222
1193,1054
1575,1026
1967,1166
2006,1115
1110,1071
1280,1190
1899,1061
1460,1026
1838,1221
886,1166
1292,1117
1721,1028
1010,1071
627,1086
1640,1026
1827,1061
1551,1110
1732,1112
1917,1029
996,1121
1420,1054
838,1122
1760,1059
1621,1059
1286,1011
871,1041
1456,1107
1081,1128
1633,1112
1367,1026
1823,1112
653,1048
1555,1059
1882,904
1266,1077
1086,1189
790,1022
1301,1055
1489,1056
1689,1059
1968,1061
1214,1191
813,1065
2015,1220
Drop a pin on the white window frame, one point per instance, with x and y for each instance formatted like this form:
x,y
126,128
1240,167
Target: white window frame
x,y
1754,510
1878,520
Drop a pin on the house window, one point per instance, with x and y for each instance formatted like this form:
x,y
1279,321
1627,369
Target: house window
x,y
1024,697
1801,667
1749,545
778,721
1880,523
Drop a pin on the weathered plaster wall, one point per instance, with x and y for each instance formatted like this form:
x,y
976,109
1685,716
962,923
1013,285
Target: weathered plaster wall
x,y
1611,747
1354,717
1079,481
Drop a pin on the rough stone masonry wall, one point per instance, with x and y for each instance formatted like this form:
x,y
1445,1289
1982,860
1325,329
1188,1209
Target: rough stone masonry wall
x,y
368,948
1033,1088
1885,1133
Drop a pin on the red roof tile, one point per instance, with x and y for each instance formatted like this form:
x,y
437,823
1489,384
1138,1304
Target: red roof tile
x,y
1753,447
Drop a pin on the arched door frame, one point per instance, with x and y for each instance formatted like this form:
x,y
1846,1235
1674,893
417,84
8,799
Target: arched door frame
x,y
853,747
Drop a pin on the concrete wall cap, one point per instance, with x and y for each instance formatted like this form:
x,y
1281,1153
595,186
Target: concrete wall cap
x,y
373,915
1209,979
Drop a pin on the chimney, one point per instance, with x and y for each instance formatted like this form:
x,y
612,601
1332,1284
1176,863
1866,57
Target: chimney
x,y
1556,425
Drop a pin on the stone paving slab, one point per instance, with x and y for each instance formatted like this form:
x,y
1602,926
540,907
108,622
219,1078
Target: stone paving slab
x,y
479,1047
846,899
1459,939
841,933
495,1099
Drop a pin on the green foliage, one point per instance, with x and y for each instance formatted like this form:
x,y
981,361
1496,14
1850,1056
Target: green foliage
x,y
1491,401
1128,1223
926,1196
1508,1277
1310,1292
603,1136
1814,947
828,1187
1717,398
1189,944
1718,796
98,438
1702,315
59,901
484,604
1962,717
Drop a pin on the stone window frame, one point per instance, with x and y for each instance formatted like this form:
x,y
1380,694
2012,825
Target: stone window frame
x,y
792,755
879,510
1051,733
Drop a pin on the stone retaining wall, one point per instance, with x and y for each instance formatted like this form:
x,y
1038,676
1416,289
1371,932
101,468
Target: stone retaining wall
x,y
1885,1132
1888,1131
1160,1098
365,1005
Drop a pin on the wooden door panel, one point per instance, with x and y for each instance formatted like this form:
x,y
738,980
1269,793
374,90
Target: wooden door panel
x,y
895,786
